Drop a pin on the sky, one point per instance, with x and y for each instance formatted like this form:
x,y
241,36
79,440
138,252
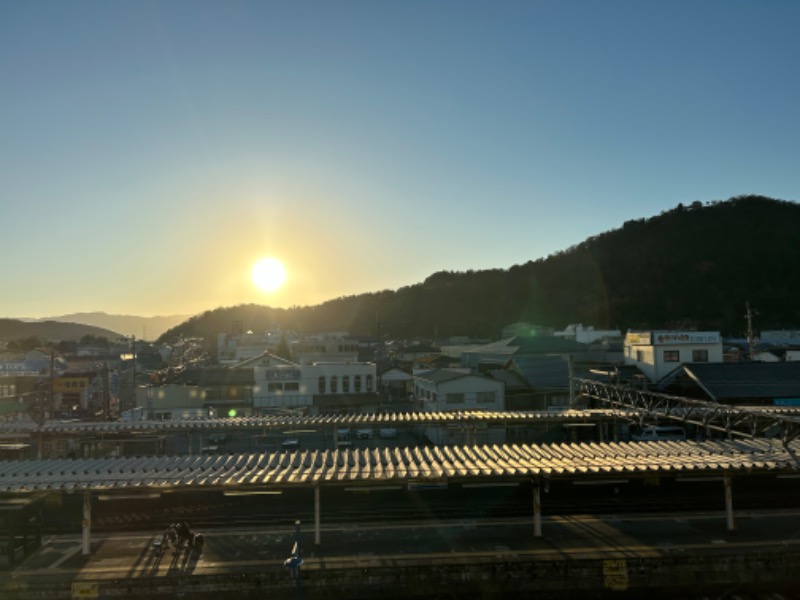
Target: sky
x,y
152,151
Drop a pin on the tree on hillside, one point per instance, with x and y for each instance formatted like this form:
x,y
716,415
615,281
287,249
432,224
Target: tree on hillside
x,y
282,349
94,340
25,344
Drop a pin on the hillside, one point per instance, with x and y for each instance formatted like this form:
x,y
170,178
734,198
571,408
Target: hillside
x,y
147,328
693,266
14,329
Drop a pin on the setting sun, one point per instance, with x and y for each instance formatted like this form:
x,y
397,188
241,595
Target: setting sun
x,y
269,274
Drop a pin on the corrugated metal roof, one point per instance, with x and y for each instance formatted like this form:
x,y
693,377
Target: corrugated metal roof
x,y
243,471
438,376
729,381
543,371
546,344
511,379
375,419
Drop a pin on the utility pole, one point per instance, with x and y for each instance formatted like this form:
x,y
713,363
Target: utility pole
x,y
106,393
750,341
133,374
50,403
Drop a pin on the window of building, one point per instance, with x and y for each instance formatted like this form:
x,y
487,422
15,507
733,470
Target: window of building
x,y
275,387
369,383
699,355
640,356
454,398
291,386
357,383
334,384
345,383
672,356
485,397
321,384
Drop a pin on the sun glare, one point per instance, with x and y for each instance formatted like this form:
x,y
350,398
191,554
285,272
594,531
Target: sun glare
x,y
269,274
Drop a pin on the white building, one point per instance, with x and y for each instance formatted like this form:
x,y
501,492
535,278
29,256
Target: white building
x,y
587,335
658,353
786,337
314,387
234,349
449,390
325,347
170,403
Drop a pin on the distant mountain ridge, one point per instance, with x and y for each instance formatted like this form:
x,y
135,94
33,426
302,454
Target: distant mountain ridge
x,y
147,328
16,329
695,266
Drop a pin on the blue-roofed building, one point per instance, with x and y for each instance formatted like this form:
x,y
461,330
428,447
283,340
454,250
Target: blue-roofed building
x,y
741,383
547,376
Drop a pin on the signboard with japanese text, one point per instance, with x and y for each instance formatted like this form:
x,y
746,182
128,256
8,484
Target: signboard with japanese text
x,y
283,374
687,337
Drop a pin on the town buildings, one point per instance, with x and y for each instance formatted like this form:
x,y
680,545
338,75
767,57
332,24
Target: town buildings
x,y
657,353
443,390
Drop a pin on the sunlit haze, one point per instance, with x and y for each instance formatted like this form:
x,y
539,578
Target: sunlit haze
x,y
269,274
152,152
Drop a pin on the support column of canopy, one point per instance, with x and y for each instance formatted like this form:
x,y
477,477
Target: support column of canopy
x,y
730,522
537,509
87,524
317,540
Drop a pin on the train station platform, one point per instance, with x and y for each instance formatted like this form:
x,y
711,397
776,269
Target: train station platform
x,y
597,556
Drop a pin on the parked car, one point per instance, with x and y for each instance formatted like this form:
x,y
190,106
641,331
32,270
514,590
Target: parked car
x,y
655,433
364,434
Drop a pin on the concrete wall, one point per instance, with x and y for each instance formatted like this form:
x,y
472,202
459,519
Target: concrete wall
x,y
500,575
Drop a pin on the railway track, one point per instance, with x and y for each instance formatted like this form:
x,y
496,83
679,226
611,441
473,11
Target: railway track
x,y
399,506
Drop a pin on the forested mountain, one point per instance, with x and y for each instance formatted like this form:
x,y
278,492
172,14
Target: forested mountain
x,y
694,266
15,329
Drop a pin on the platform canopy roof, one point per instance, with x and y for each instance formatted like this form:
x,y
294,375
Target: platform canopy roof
x,y
287,418
262,471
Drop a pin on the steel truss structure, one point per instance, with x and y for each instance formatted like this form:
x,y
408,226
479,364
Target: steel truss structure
x,y
732,420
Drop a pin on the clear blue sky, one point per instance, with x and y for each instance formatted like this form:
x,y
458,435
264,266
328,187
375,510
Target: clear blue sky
x,y
151,152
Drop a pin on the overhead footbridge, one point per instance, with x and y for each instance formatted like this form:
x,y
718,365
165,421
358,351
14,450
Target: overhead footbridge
x,y
779,423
